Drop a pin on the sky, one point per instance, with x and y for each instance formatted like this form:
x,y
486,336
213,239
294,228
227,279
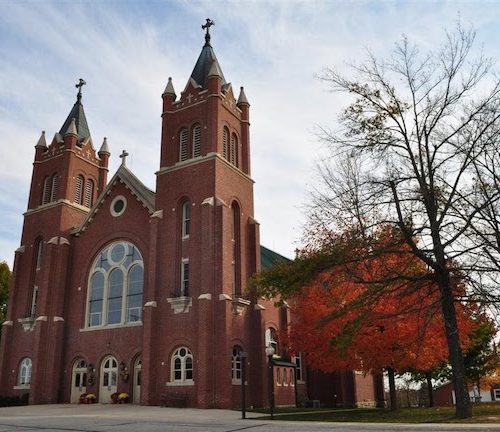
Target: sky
x,y
126,50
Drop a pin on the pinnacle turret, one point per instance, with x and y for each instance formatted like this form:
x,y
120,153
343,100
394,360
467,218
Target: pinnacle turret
x,y
104,147
242,99
72,130
169,89
41,141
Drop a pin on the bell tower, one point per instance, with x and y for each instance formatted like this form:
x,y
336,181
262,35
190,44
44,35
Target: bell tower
x,y
68,175
205,194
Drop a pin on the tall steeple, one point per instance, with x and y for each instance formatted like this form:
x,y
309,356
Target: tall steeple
x,y
78,114
206,60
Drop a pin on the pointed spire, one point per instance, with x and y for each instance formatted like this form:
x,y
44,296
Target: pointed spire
x,y
169,89
242,99
104,148
215,70
72,128
205,61
78,115
41,141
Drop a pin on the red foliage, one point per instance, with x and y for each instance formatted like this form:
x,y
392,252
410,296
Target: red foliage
x,y
379,312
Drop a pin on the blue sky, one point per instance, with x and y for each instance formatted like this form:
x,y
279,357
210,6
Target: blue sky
x,y
126,50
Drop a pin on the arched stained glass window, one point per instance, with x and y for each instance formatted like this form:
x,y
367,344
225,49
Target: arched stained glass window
x,y
116,286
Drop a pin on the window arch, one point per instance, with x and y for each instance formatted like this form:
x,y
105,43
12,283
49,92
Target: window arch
x,y
79,189
116,286
181,365
183,144
24,377
89,193
186,218
236,365
236,259
54,188
234,150
225,143
196,136
47,184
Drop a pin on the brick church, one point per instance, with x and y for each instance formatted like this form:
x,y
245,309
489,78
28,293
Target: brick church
x,y
118,288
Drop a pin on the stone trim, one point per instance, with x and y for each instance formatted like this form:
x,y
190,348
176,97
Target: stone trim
x,y
180,304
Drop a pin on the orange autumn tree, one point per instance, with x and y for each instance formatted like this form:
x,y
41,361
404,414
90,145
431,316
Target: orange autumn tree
x,y
369,312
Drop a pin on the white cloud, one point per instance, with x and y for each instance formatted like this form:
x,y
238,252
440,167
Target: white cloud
x,y
126,51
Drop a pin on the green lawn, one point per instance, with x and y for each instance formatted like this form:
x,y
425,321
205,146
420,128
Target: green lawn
x,y
484,413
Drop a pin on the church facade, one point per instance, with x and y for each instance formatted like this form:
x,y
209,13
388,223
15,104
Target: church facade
x,y
120,289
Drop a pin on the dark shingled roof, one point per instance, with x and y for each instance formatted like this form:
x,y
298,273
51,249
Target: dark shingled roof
x,y
269,257
203,65
80,120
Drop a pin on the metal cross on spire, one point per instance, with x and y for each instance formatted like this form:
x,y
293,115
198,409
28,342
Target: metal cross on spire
x,y
123,157
206,27
81,83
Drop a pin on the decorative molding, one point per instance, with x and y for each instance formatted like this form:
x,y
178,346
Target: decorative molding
x,y
180,383
42,318
157,214
180,304
259,307
208,201
206,296
53,240
58,319
239,305
225,297
286,304
63,241
27,323
151,303
8,323
20,249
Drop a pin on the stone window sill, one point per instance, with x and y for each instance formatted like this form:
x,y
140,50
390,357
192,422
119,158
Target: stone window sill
x,y
112,326
180,383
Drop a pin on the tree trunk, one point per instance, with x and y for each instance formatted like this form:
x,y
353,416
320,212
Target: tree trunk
x,y
428,378
392,390
463,404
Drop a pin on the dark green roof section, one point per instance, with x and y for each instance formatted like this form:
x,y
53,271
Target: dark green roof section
x,y
78,114
202,68
269,257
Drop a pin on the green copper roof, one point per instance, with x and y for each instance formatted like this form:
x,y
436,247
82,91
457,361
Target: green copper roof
x,y
269,257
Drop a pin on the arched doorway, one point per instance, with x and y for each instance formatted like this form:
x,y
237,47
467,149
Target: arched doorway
x,y
109,379
78,380
137,380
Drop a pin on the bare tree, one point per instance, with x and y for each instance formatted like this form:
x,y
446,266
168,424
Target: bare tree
x,y
417,148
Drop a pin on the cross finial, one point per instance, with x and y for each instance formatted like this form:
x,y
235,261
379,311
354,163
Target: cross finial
x,y
81,83
123,157
206,27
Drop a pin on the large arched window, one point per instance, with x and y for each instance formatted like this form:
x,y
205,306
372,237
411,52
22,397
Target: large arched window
x,y
225,143
89,193
181,365
79,189
24,377
196,140
183,144
116,286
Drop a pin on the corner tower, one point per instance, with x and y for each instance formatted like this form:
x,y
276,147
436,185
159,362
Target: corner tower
x,y
68,175
208,238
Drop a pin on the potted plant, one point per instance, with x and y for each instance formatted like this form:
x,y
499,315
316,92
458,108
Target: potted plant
x,y
123,398
90,398
114,397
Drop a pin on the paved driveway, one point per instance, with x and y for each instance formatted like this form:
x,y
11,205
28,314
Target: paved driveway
x,y
132,418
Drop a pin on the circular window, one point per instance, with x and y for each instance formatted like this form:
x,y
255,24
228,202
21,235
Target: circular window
x,y
117,253
118,206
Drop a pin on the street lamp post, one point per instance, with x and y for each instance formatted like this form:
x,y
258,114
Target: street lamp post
x,y
243,358
270,354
